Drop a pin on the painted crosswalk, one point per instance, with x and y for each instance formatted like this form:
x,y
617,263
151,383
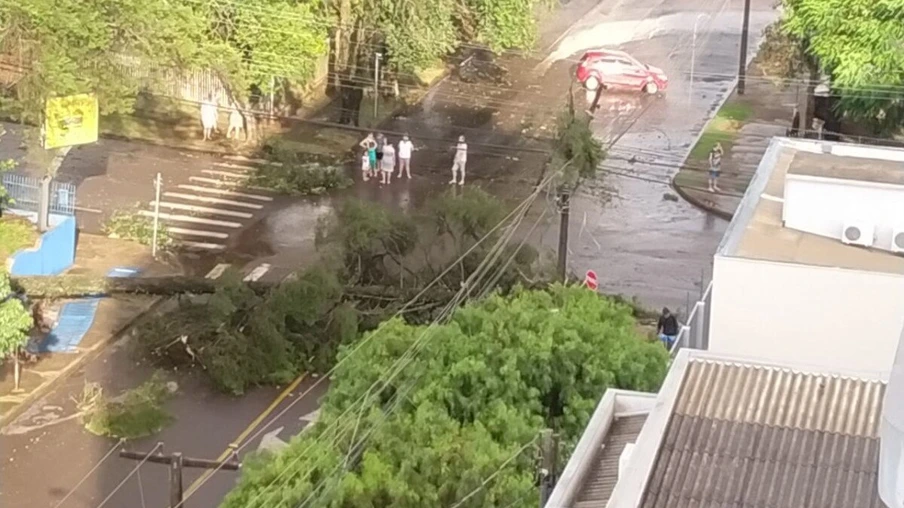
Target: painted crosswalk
x,y
254,272
210,205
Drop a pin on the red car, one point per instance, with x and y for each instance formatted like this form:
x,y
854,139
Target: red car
x,y
618,70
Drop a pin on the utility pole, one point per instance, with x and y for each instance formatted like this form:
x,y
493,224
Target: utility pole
x,y
564,213
549,457
377,57
177,463
742,65
157,184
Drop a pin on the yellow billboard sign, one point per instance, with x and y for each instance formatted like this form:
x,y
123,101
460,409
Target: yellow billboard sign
x,y
70,121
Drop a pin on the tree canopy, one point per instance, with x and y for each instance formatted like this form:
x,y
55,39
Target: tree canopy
x,y
15,321
421,416
860,44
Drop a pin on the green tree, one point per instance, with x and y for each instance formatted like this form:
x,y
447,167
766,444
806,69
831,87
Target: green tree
x,y
15,322
465,397
859,44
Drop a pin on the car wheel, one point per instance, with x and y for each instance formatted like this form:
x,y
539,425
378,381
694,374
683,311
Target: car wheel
x,y
651,88
592,83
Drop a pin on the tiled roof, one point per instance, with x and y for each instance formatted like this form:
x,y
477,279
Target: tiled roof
x,y
603,474
744,435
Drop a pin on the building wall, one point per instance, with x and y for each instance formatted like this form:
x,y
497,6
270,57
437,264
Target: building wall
x,y
844,320
821,206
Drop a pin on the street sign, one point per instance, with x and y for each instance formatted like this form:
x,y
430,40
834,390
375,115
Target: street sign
x,y
70,121
590,280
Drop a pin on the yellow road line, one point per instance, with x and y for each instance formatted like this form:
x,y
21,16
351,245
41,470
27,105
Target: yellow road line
x,y
245,433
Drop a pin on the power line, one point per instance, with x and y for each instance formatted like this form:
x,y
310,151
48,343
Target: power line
x,y
124,480
89,473
495,473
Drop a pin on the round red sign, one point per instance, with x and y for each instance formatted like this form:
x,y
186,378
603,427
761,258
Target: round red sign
x,y
590,280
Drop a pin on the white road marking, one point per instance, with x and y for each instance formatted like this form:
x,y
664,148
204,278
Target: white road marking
x,y
197,232
189,218
217,271
271,441
241,158
203,245
224,192
207,199
212,181
204,209
257,273
311,417
232,166
227,174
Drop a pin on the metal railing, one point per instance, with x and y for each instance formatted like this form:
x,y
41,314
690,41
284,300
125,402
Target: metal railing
x,y
24,193
694,332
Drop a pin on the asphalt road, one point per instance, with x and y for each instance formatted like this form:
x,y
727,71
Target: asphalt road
x,y
47,451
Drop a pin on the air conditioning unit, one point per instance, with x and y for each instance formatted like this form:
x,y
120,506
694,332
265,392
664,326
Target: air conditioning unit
x,y
858,233
897,240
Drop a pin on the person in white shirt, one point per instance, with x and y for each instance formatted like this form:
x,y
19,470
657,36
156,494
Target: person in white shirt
x,y
460,160
209,115
405,149
388,163
236,123
365,166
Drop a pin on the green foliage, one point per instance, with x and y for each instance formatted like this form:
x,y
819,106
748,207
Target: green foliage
x,y
242,340
15,320
417,33
135,413
858,43
576,143
130,225
474,392
304,179
471,214
505,24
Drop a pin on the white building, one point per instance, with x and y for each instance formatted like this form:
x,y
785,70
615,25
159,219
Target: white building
x,y
811,267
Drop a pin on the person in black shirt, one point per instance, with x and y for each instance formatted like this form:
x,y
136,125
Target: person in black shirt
x,y
667,328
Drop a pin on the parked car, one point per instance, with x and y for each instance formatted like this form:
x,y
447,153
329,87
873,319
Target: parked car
x,y
618,70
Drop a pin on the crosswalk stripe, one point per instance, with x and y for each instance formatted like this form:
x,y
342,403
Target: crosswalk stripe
x,y
232,166
197,232
203,245
224,192
189,218
212,181
208,199
217,271
203,209
258,272
227,174
242,158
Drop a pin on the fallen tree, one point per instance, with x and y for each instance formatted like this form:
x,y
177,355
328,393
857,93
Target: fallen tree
x,y
82,286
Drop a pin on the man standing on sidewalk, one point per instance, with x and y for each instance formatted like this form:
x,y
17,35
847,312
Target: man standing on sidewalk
x,y
460,160
667,328
715,167
209,115
405,149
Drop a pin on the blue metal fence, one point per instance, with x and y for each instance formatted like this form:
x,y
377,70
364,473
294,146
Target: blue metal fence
x,y
25,194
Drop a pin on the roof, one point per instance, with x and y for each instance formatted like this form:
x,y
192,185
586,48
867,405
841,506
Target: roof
x,y
751,435
757,232
729,432
600,481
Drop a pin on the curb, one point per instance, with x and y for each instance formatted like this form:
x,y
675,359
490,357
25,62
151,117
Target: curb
x,y
95,351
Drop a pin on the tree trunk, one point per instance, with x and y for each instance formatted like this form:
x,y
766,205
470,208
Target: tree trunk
x,y
805,99
81,286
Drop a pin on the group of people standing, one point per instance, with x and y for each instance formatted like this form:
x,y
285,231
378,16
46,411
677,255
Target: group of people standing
x,y
210,116
379,158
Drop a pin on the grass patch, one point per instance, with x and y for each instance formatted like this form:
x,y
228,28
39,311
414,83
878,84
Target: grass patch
x,y
133,414
15,234
723,128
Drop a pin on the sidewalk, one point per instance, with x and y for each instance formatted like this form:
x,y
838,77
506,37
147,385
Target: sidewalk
x,y
744,125
95,255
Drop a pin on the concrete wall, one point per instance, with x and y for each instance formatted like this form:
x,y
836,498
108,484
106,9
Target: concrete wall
x,y
54,253
824,317
822,206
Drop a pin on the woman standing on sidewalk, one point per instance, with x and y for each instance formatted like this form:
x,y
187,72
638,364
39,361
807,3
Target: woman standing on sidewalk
x,y
369,144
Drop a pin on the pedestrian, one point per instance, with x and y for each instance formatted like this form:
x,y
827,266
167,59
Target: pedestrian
x,y
667,328
236,123
388,163
460,160
209,115
715,167
405,149
381,142
370,144
365,165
